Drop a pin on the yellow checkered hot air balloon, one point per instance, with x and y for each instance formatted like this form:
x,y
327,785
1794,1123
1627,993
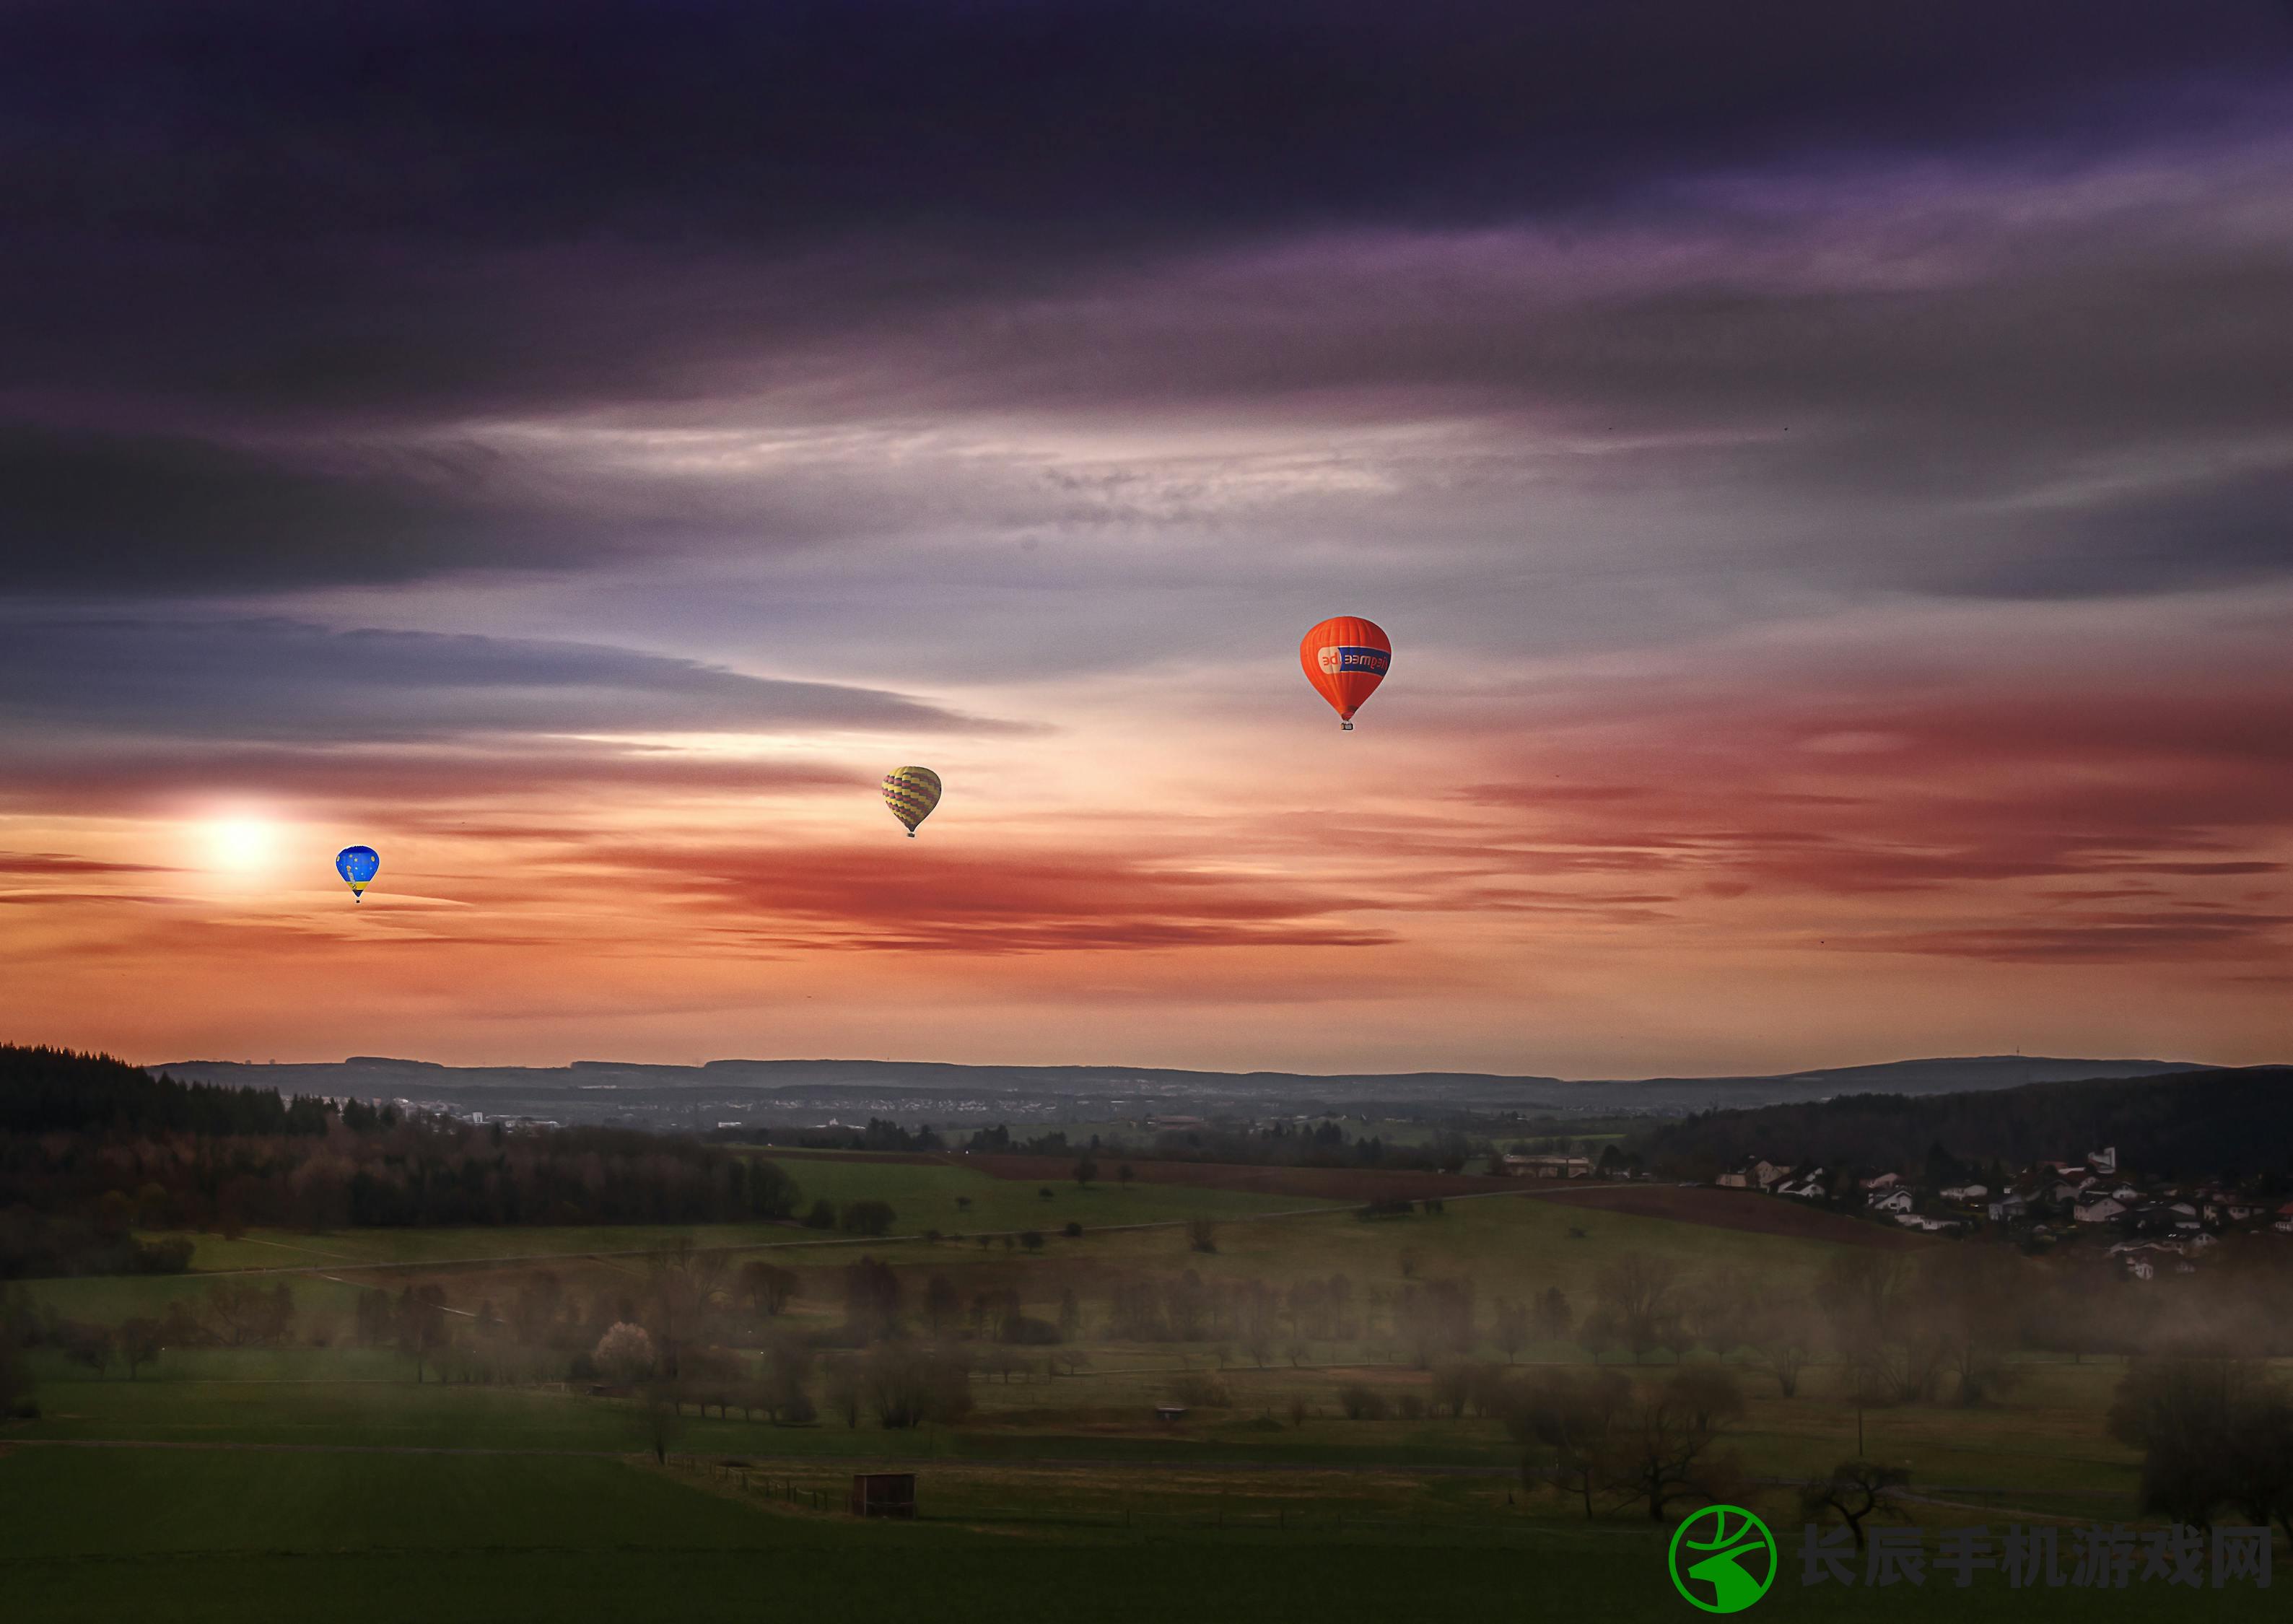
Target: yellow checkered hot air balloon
x,y
911,793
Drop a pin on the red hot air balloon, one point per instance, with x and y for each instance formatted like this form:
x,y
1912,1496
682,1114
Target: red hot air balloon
x,y
1345,660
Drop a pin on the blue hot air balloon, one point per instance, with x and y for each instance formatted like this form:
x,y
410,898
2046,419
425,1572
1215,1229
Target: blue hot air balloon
x,y
358,865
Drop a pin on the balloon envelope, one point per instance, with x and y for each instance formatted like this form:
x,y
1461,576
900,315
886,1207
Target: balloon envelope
x,y
1345,658
358,865
911,793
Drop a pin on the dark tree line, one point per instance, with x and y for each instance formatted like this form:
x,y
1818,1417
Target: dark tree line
x,y
1280,1145
2235,1124
94,1149
55,1090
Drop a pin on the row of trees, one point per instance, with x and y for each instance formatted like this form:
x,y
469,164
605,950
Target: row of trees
x,y
1280,1144
68,1202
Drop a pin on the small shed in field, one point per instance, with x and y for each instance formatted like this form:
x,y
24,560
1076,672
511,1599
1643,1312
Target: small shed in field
x,y
883,1494
1170,1414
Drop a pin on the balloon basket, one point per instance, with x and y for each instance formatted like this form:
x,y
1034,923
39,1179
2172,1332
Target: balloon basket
x,y
1345,727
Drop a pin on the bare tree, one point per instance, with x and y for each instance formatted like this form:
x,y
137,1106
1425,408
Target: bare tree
x,y
1454,1384
1671,1448
842,1387
2210,1426
660,1417
908,1385
1636,1306
766,1287
1512,1327
1553,1314
1972,1296
1712,1395
942,1303
1567,1421
872,1299
681,1281
140,1343
422,1329
1781,1332
1854,1490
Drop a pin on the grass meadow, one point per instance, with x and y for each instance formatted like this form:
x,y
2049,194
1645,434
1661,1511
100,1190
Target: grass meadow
x,y
305,1480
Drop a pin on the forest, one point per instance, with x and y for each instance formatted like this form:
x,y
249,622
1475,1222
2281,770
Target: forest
x,y
2230,1124
91,1150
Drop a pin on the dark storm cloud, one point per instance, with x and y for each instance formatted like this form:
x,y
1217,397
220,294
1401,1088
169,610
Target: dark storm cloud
x,y
284,121
146,514
254,250
282,202
256,681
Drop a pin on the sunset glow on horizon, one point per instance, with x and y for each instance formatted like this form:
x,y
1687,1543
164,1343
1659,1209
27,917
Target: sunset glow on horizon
x,y
1840,587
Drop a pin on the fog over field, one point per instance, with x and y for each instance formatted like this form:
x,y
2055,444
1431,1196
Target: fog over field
x,y
1114,811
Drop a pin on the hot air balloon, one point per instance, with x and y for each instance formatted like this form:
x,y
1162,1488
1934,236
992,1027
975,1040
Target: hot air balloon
x,y
1345,659
911,793
358,865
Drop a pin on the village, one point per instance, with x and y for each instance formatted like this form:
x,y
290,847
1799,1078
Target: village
x,y
2146,1223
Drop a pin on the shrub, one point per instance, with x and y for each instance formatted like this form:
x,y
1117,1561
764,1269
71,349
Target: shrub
x,y
1361,1402
1200,1389
908,1385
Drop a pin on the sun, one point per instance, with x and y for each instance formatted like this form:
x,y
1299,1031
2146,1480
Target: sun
x,y
242,845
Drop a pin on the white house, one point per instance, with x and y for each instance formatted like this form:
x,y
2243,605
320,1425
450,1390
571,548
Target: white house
x,y
1891,1201
2099,1212
1964,1193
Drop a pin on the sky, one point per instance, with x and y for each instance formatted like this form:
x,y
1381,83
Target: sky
x,y
1826,474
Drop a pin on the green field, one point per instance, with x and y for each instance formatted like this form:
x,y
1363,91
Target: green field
x,y
280,1482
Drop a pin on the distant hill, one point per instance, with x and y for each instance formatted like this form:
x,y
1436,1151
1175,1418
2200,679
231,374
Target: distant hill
x,y
946,1093
2235,1122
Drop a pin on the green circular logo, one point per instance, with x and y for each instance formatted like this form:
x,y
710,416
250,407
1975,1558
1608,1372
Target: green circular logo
x,y
1724,1553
